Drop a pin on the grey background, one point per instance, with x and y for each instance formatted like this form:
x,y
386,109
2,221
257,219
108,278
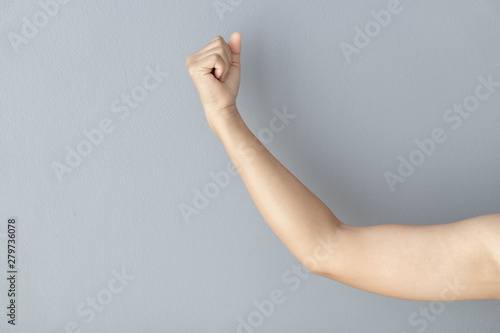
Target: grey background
x,y
119,209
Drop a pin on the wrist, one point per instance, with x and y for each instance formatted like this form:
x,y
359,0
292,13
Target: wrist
x,y
224,119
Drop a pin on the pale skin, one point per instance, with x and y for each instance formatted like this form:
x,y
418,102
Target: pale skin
x,y
442,262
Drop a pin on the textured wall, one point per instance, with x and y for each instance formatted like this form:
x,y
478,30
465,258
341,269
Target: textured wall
x,y
104,142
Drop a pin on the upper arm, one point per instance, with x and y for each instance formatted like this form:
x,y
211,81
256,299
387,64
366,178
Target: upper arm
x,y
453,261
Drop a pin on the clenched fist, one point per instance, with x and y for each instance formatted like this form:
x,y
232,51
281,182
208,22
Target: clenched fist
x,y
215,71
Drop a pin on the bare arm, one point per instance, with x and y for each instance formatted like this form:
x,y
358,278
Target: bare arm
x,y
294,213
443,262
454,261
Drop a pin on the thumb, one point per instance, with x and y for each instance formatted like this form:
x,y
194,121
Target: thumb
x,y
235,46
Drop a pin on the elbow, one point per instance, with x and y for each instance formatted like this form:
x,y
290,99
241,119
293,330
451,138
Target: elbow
x,y
324,257
324,254
325,269
312,266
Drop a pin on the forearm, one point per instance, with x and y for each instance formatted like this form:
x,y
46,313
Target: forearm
x,y
292,211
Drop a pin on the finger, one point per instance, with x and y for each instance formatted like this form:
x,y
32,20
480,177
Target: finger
x,y
229,60
220,51
235,47
196,55
226,54
219,46
217,41
208,63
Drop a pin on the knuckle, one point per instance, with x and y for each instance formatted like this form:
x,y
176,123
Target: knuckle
x,y
220,50
219,41
214,57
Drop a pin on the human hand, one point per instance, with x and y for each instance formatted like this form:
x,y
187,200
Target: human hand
x,y
215,71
